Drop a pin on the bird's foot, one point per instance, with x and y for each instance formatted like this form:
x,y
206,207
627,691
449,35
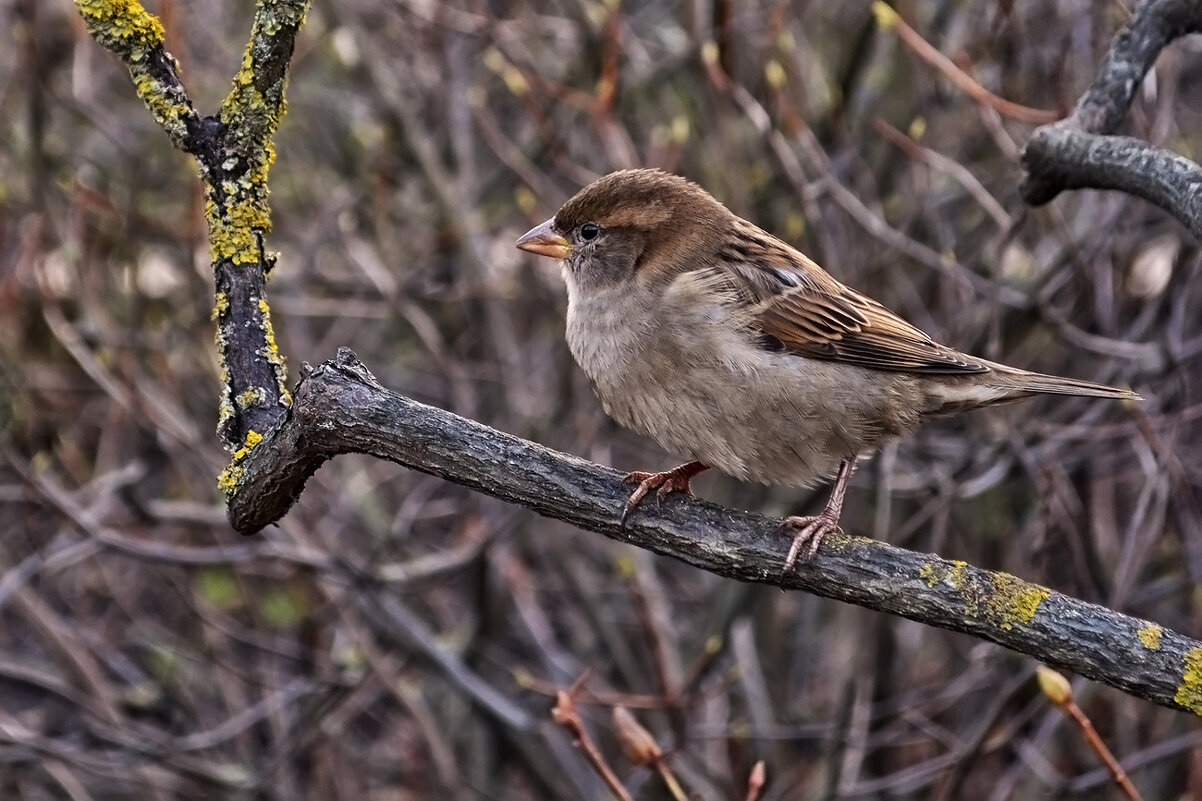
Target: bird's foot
x,y
665,483
807,534
809,531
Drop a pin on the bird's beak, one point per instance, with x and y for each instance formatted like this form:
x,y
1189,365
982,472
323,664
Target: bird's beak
x,y
545,241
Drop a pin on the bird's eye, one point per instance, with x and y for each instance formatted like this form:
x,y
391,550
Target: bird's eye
x,y
590,231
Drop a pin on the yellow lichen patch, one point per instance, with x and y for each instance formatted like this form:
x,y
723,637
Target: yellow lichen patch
x,y
253,396
126,29
236,225
237,207
273,355
940,571
228,480
122,26
930,573
253,438
221,306
1000,598
1189,691
166,110
1014,600
1149,635
246,73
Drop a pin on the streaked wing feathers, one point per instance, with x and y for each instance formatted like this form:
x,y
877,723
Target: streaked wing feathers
x,y
869,335
796,303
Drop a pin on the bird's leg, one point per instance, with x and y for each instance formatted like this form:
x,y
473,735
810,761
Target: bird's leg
x,y
811,530
665,483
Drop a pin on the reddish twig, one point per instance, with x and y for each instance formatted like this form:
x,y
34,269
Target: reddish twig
x,y
950,167
566,716
1060,693
888,18
756,781
640,747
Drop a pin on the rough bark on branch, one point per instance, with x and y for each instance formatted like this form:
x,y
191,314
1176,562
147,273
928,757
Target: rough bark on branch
x,y
1082,151
340,408
234,152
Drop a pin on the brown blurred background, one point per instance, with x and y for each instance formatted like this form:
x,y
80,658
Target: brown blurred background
x,y
397,637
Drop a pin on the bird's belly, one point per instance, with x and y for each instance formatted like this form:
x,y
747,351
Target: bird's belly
x,y
769,417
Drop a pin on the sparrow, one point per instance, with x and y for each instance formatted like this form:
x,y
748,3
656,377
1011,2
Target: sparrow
x,y
718,340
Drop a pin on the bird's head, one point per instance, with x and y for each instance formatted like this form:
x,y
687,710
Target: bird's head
x,y
644,225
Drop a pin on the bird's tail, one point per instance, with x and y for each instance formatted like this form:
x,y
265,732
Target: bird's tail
x,y
1039,383
1003,384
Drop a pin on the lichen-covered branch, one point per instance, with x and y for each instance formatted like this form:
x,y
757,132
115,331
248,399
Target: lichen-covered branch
x,y
340,408
239,217
125,28
1081,150
234,152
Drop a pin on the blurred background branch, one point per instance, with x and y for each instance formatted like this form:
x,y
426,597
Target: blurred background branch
x,y
1082,151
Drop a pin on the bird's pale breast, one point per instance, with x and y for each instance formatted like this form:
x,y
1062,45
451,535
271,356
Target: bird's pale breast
x,y
697,383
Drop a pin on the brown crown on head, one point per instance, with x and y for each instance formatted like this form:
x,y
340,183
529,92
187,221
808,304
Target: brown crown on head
x,y
643,199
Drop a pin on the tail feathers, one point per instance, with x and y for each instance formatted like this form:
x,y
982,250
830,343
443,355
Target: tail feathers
x,y
1004,384
1032,383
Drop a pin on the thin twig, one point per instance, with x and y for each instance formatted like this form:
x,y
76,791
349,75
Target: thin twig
x,y
1060,693
566,716
889,19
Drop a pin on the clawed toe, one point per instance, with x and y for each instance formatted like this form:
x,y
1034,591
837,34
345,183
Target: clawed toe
x,y
809,532
646,482
665,483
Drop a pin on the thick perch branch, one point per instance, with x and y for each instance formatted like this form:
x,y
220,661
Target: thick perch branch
x,y
340,408
1082,152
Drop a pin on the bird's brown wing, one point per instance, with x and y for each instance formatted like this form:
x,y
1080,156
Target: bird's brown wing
x,y
799,307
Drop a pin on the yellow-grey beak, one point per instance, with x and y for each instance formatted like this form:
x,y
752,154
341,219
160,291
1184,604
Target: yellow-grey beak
x,y
545,241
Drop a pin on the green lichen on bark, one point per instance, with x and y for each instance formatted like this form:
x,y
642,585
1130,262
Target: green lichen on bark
x,y
271,352
237,206
122,26
234,151
1150,635
999,598
125,28
227,481
1189,691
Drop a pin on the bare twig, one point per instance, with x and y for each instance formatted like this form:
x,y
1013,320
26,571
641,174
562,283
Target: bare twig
x,y
889,19
566,716
1060,693
954,169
